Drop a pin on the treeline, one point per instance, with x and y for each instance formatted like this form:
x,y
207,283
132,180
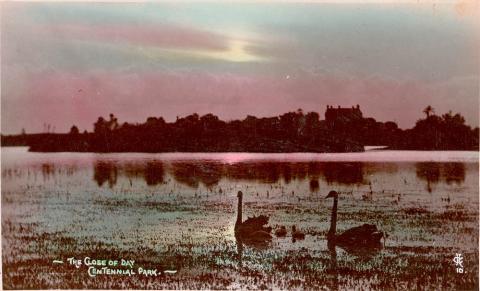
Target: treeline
x,y
289,132
446,132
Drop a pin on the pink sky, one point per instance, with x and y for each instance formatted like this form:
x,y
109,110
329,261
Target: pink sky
x,y
66,64
229,96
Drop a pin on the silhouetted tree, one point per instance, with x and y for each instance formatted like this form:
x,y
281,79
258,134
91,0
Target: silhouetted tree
x,y
100,126
112,123
447,132
289,132
428,110
74,130
389,125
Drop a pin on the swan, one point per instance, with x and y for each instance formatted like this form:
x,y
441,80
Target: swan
x,y
253,229
363,236
281,232
297,234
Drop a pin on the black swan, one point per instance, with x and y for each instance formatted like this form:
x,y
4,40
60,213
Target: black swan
x,y
253,229
297,234
365,236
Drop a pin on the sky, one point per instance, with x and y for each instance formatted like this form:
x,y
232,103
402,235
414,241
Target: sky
x,y
69,63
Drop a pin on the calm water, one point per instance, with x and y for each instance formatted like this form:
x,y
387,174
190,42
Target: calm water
x,y
177,211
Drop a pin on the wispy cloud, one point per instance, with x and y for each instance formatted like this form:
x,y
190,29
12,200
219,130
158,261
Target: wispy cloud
x,y
236,51
162,41
167,36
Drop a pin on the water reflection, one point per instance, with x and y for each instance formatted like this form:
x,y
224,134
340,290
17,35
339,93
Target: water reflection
x,y
314,185
333,266
210,173
433,173
239,244
105,171
48,170
191,174
454,173
253,245
344,173
362,257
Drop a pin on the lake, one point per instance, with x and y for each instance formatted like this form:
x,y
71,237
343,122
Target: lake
x,y
176,212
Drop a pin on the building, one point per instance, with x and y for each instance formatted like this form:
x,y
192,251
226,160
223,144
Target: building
x,y
343,115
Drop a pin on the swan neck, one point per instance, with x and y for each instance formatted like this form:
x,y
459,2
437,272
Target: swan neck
x,y
333,220
239,212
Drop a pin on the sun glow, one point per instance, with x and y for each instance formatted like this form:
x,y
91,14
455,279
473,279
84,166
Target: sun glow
x,y
236,51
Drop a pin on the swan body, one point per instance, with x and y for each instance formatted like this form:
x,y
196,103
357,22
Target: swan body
x,y
363,236
253,229
297,234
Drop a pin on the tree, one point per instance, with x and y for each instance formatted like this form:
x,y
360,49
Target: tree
x,y
312,119
100,126
390,125
451,119
112,123
428,110
74,130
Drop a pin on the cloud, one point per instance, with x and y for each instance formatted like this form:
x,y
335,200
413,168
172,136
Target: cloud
x,y
161,41
165,35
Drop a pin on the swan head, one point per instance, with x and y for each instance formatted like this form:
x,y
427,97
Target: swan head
x,y
239,194
331,194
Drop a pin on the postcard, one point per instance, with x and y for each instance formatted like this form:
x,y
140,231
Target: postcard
x,y
272,145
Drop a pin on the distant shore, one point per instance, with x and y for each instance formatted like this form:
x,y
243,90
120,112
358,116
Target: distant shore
x,y
343,130
88,143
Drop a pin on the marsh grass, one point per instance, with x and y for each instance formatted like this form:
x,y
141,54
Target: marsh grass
x,y
59,211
